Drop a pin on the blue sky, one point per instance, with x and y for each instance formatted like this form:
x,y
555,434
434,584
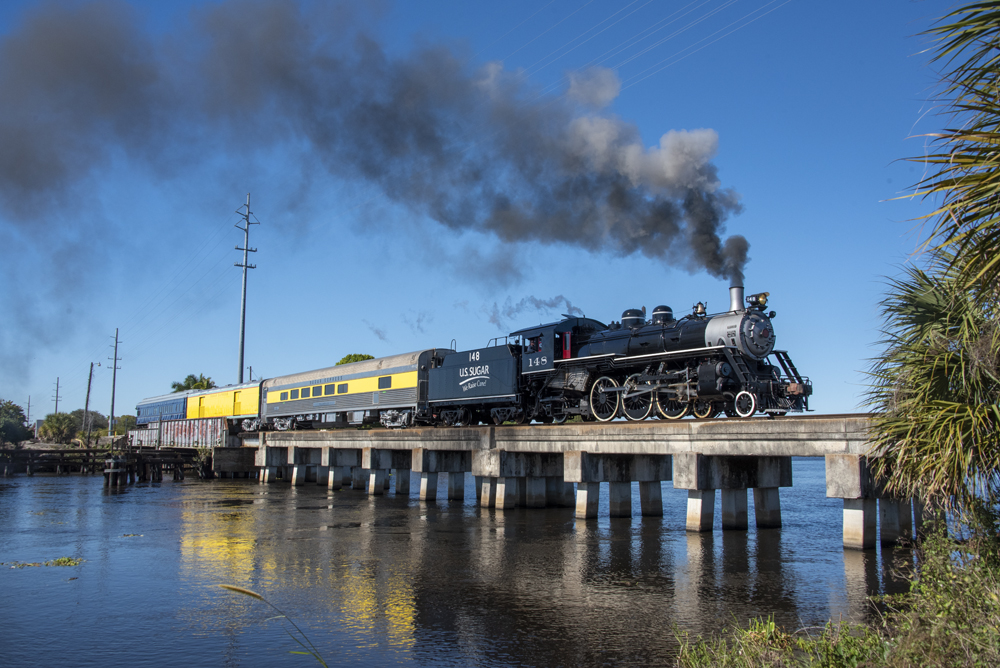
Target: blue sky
x,y
813,106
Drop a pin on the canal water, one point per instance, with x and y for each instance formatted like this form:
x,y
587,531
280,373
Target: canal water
x,y
393,580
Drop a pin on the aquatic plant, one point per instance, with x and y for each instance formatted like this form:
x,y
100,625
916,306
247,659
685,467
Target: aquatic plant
x,y
299,636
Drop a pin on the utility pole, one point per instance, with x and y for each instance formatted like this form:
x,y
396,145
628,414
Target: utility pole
x,y
28,419
57,394
114,377
243,301
86,405
250,368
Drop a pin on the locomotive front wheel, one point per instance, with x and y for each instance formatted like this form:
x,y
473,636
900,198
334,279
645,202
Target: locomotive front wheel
x,y
670,409
604,404
703,409
638,407
745,404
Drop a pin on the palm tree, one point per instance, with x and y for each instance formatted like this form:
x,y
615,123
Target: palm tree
x,y
935,392
965,160
192,382
58,427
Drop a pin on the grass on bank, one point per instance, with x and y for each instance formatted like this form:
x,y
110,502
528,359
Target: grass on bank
x,y
950,617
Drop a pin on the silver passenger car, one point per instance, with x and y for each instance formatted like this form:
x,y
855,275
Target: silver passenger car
x,y
389,390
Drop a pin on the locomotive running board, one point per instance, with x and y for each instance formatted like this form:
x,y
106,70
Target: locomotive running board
x,y
674,353
626,358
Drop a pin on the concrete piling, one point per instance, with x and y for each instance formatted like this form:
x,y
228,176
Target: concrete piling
x,y
487,492
506,498
860,523
700,510
535,492
376,481
588,499
767,507
651,499
889,526
620,499
456,486
428,486
734,509
402,482
335,478
558,493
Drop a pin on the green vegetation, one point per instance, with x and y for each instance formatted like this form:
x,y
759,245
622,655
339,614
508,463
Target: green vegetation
x,y
950,617
61,561
97,421
962,164
193,382
936,390
354,357
123,423
58,428
12,419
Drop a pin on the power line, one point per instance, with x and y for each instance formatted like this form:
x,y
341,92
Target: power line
x,y
636,79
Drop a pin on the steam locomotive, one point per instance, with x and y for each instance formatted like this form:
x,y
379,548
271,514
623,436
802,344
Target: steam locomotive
x,y
698,364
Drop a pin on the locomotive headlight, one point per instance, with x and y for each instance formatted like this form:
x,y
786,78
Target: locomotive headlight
x,y
758,300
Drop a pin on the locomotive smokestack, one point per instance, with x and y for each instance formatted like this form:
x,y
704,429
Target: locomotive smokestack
x,y
736,298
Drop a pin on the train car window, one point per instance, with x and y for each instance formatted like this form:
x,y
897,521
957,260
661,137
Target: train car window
x,y
317,391
284,396
385,382
329,389
342,388
295,394
305,392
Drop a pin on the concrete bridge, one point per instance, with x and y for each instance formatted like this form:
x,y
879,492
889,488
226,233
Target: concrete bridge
x,y
547,465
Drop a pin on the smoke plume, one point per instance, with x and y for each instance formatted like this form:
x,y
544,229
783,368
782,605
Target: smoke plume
x,y
499,315
469,147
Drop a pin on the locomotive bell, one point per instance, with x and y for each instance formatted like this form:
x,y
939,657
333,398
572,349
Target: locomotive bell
x,y
699,309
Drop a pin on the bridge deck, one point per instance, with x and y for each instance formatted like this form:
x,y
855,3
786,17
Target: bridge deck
x,y
798,436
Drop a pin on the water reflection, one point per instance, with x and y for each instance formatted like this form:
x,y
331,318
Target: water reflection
x,y
394,579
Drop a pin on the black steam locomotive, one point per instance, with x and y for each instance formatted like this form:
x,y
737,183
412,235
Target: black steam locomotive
x,y
697,364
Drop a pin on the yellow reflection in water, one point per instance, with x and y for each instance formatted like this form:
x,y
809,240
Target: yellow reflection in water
x,y
225,547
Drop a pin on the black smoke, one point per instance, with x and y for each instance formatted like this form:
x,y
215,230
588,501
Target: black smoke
x,y
469,147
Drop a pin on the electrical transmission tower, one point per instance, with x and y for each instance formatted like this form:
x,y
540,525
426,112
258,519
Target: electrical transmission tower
x,y
246,249
57,394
